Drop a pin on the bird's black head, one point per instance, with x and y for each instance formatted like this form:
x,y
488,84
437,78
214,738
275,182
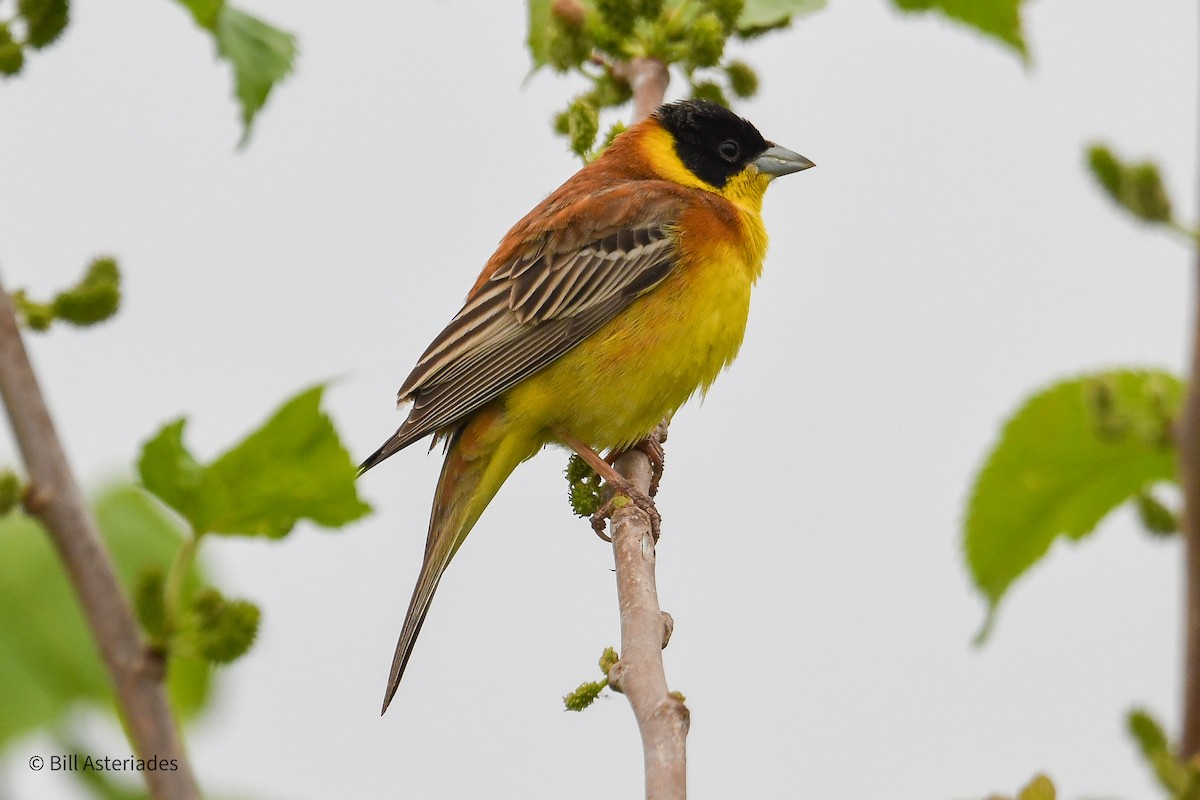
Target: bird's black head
x,y
710,140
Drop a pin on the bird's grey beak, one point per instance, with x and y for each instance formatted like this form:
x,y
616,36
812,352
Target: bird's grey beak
x,y
776,161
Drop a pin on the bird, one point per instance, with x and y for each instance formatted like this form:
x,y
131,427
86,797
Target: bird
x,y
618,297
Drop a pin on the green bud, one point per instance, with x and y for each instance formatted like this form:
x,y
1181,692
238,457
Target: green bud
x,y
583,123
566,46
562,122
614,131
1157,519
1136,187
649,9
707,90
706,40
608,660
742,79
1106,169
604,38
914,5
609,91
11,490
1109,423
583,486
727,11
619,15
1147,198
1146,731
12,56
584,696
37,316
224,629
95,298
1040,788
148,601
45,20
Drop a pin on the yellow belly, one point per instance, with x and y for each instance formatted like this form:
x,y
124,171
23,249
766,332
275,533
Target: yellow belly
x,y
615,387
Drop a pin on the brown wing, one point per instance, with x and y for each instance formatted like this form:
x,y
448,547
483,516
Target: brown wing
x,y
528,313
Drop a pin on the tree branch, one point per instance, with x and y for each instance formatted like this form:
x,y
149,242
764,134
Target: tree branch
x,y
1188,440
661,716
1187,437
54,498
648,77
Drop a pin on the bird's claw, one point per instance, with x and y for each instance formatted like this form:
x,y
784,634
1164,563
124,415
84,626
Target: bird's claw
x,y
638,498
652,447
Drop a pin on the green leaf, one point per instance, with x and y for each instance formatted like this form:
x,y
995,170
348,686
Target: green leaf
x,y
261,55
1182,781
1070,455
1138,188
538,34
48,662
764,14
1000,19
170,472
1147,733
294,467
204,11
95,298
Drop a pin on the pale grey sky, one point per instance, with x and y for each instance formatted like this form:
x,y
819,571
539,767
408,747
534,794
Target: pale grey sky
x,y
948,255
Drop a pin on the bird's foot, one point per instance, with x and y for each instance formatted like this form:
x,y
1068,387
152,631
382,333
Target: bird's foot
x,y
622,488
652,447
619,486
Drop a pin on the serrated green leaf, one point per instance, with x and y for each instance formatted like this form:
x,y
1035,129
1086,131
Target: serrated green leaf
x,y
1059,469
1000,19
169,471
294,467
48,662
759,14
261,56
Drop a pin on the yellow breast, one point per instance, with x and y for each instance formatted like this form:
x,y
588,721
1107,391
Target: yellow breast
x,y
616,386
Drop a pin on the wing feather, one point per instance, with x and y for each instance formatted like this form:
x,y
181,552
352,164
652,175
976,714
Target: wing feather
x,y
528,314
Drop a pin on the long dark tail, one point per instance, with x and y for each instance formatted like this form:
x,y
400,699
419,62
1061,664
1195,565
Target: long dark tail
x,y
479,458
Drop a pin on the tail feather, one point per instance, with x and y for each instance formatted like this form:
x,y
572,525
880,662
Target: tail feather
x,y
479,458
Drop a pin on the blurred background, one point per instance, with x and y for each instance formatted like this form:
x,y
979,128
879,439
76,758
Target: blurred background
x,y
949,255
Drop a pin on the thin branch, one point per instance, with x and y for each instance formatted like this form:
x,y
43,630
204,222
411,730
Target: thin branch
x,y
648,78
54,498
662,717
1188,439
1187,435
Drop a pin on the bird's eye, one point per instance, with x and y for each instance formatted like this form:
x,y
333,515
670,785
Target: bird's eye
x,y
729,150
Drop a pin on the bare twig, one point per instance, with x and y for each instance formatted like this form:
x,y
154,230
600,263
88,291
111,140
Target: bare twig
x,y
1188,439
1187,436
661,716
54,497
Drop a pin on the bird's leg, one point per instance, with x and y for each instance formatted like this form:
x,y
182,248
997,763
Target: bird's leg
x,y
654,451
616,481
